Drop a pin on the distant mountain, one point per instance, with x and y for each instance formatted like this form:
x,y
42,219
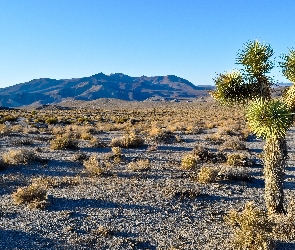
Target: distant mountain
x,y
120,86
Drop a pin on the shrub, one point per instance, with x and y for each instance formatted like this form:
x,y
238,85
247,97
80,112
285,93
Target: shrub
x,y
131,140
96,143
237,160
64,142
204,155
94,165
234,144
163,136
253,228
207,174
51,120
139,165
34,196
188,161
18,156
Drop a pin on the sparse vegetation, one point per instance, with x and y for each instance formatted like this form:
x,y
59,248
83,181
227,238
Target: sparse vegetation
x,y
253,228
34,196
64,142
162,176
94,165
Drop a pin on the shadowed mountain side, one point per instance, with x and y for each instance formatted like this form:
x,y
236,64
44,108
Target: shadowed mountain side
x,y
120,86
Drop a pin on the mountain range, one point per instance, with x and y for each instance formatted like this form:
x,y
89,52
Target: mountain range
x,y
118,85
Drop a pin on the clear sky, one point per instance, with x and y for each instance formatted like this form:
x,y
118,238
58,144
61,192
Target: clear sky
x,y
192,39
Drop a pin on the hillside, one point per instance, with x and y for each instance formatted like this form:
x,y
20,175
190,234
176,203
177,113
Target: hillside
x,y
119,86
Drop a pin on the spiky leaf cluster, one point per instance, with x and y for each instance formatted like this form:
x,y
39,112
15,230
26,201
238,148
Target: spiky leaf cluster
x,y
269,118
255,57
230,87
288,65
289,97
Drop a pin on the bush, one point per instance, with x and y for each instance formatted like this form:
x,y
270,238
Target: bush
x,y
140,165
94,165
64,142
131,140
234,144
237,160
34,196
188,161
51,120
253,228
207,174
204,155
18,156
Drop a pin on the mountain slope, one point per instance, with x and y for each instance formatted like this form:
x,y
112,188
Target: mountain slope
x,y
120,86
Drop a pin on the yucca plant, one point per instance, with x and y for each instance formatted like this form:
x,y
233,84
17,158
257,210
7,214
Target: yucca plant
x,y
267,118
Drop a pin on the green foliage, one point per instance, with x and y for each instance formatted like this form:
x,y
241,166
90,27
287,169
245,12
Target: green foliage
x,y
269,118
288,65
255,57
230,88
289,97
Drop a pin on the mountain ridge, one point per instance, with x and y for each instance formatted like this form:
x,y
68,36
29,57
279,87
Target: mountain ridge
x,y
118,85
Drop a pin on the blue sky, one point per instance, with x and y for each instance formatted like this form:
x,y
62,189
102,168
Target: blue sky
x,y
192,39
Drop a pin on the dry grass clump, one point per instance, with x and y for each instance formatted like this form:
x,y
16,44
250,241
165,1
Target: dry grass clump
x,y
253,228
234,144
94,165
207,174
139,165
34,196
237,160
96,143
19,156
5,130
63,142
188,161
130,140
163,136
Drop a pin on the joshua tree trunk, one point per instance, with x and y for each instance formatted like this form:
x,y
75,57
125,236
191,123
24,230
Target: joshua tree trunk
x,y
275,156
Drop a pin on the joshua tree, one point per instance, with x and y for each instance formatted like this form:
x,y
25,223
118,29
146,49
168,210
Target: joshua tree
x,y
267,118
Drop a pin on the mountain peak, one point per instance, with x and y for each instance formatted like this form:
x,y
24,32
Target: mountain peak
x,y
116,85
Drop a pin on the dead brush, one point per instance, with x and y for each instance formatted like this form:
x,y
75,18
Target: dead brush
x,y
253,228
130,140
233,144
207,174
94,165
139,165
163,136
34,196
203,154
188,162
5,130
18,156
64,142
96,143
240,160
